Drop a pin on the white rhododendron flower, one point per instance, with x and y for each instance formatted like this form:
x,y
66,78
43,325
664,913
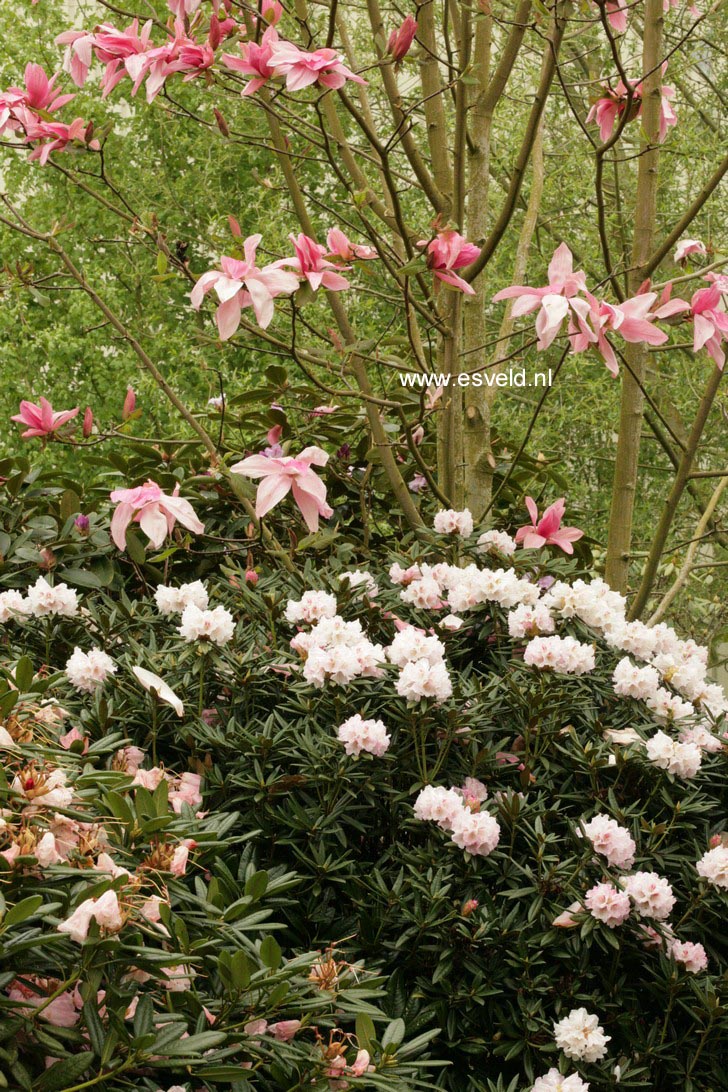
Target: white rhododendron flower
x,y
360,578
13,606
359,735
449,522
611,840
311,607
217,626
563,654
651,894
89,670
581,1037
174,600
497,540
554,1082
713,866
680,759
45,599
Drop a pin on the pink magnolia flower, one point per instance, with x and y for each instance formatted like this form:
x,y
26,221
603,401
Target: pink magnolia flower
x,y
155,512
301,69
42,419
633,319
613,103
114,48
281,475
255,61
241,283
55,136
447,252
710,323
79,54
311,263
401,39
340,246
40,92
686,247
617,11
553,301
547,531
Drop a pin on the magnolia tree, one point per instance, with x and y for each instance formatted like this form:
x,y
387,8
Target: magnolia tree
x,y
408,150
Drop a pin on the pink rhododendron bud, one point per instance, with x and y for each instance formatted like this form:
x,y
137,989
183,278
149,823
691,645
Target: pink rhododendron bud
x,y
401,39
82,523
469,907
129,404
251,577
566,919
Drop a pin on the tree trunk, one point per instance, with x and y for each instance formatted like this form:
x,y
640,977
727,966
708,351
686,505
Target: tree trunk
x,y
633,377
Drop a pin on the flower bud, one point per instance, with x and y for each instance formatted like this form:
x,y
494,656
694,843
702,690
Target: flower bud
x,y
129,404
88,422
401,40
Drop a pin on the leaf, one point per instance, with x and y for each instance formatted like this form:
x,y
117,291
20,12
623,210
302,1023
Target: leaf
x,y
95,1028
63,1074
82,577
270,952
393,1036
24,674
240,970
366,1033
257,885
22,911
135,547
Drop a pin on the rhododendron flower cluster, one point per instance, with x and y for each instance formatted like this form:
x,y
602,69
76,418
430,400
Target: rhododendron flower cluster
x,y
553,1081
713,866
607,904
449,522
611,840
563,654
651,895
473,830
216,626
359,735
174,600
89,670
581,1037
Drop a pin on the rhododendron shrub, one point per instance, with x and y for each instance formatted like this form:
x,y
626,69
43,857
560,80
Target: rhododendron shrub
x,y
138,942
502,801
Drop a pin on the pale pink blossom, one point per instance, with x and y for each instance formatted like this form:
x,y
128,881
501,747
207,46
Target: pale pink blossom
x,y
79,54
340,246
554,301
710,323
301,69
288,474
607,904
154,684
42,419
359,735
686,247
284,1030
255,61
651,894
105,910
449,522
447,252
692,957
156,513
611,840
547,531
241,283
311,263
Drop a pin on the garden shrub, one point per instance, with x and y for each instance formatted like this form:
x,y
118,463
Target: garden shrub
x,y
493,791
